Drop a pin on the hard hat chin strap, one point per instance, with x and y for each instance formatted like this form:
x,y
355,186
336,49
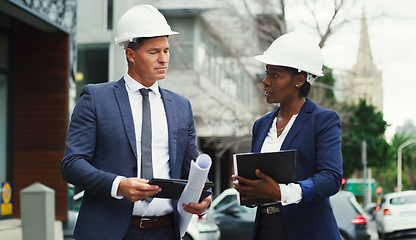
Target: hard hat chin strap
x,y
310,78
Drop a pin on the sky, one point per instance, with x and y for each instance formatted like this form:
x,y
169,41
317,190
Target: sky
x,y
392,32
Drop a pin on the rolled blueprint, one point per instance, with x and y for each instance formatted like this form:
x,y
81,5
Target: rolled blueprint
x,y
192,192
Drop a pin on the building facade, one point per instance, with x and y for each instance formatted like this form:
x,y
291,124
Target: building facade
x,y
364,80
50,49
211,64
37,54
407,129
44,64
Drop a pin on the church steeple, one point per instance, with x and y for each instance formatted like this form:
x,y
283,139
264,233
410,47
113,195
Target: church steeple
x,y
364,62
365,80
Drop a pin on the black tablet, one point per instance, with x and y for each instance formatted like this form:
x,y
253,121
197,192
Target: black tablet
x,y
173,188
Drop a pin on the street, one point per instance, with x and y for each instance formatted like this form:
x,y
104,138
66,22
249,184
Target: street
x,y
374,236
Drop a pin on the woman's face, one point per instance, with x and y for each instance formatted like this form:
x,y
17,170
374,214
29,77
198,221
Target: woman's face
x,y
279,84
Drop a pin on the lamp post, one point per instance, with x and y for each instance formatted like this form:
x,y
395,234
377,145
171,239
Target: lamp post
x,y
399,163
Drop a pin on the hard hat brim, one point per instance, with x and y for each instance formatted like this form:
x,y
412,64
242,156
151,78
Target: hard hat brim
x,y
266,60
122,41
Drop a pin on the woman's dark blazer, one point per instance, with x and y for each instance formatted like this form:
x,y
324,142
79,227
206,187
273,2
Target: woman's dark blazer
x,y
316,133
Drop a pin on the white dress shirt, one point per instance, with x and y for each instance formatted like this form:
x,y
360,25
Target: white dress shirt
x,y
160,145
290,193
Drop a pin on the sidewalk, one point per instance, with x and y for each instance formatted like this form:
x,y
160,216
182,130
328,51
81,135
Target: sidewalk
x,y
11,229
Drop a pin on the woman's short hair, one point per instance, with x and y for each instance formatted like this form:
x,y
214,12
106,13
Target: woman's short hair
x,y
306,87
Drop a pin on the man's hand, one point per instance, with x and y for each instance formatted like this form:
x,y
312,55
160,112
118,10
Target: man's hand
x,y
265,187
135,189
197,208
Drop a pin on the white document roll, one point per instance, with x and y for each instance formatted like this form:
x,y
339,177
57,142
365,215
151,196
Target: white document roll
x,y
192,192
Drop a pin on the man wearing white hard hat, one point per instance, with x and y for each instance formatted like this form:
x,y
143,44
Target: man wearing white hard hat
x,y
124,133
301,210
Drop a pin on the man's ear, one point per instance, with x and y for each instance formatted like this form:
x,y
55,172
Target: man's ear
x,y
129,54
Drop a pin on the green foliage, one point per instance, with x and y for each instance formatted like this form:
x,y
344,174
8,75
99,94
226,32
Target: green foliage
x,y
329,80
360,122
386,177
408,159
322,91
364,124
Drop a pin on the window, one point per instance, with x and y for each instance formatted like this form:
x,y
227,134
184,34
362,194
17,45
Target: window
x,y
403,200
3,126
6,48
92,65
110,5
181,45
4,95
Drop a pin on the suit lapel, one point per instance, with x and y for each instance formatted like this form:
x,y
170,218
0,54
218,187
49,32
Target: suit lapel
x,y
264,130
123,102
172,125
303,116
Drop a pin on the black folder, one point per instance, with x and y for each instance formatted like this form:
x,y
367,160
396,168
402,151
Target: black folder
x,y
173,188
281,166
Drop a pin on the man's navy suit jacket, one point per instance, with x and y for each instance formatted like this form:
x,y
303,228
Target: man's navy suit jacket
x,y
316,133
101,145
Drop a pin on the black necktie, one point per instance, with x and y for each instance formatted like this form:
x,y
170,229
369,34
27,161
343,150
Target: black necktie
x,y
146,166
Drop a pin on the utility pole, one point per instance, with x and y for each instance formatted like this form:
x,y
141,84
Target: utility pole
x,y
364,162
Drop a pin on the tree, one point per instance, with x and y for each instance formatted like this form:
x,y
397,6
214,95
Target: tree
x,y
322,90
408,159
364,124
320,16
324,17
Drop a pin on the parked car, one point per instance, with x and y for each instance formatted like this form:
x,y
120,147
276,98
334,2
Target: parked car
x,y
350,216
236,222
203,228
397,214
371,209
200,228
74,206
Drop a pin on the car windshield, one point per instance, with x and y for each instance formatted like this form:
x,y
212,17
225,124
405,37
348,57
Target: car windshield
x,y
356,205
225,201
230,203
403,200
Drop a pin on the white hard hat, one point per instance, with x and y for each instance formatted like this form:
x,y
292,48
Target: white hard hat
x,y
141,21
294,50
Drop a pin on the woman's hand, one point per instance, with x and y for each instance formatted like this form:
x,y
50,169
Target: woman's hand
x,y
265,187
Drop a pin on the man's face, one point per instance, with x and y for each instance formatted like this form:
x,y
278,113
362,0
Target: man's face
x,y
150,62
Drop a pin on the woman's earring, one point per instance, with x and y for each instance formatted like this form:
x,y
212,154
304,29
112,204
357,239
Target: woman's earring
x,y
297,85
